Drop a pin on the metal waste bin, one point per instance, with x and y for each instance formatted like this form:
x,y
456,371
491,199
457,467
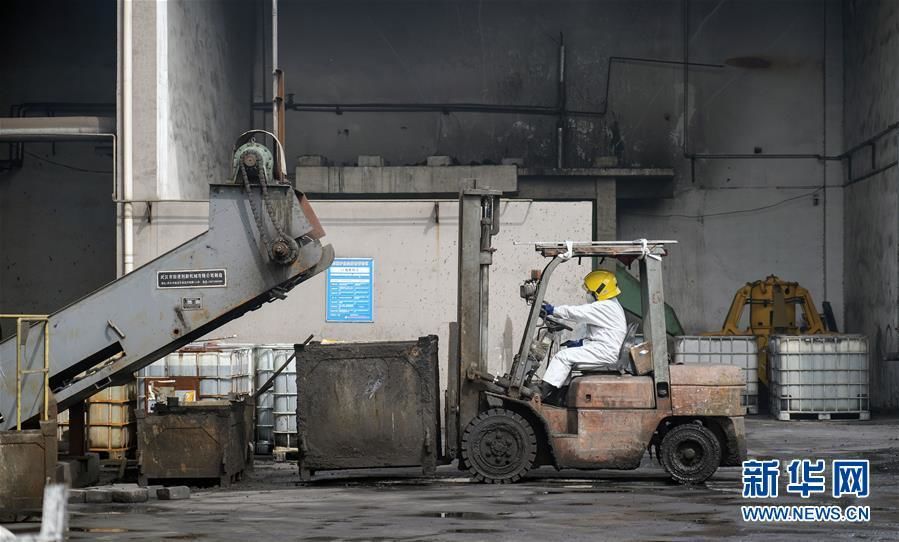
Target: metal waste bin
x,y
368,405
208,439
29,460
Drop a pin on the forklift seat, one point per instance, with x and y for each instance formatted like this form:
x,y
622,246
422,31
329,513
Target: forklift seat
x,y
625,364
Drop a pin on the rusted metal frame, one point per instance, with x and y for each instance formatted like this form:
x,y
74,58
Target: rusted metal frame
x,y
583,250
631,243
278,108
654,331
20,340
520,365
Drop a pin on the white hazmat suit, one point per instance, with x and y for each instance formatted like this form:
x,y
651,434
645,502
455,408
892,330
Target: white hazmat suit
x,y
606,329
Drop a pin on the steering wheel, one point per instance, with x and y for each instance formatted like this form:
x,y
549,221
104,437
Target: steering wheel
x,y
555,322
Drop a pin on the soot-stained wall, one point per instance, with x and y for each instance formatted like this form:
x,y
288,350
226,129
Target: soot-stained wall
x,y
872,199
770,84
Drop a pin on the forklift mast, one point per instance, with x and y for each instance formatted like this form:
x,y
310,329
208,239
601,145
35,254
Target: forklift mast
x,y
263,239
478,223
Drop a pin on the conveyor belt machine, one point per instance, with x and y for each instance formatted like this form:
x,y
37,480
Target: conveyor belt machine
x,y
263,239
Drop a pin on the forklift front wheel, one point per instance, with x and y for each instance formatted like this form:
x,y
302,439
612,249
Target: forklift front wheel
x,y
499,446
691,453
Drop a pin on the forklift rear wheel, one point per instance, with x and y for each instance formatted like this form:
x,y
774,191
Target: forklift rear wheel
x,y
690,453
499,446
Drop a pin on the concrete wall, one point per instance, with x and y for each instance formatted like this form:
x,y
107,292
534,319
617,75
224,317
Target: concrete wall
x,y
478,52
779,90
740,220
415,263
872,203
57,218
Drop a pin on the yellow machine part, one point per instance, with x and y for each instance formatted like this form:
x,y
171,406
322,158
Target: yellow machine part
x,y
772,311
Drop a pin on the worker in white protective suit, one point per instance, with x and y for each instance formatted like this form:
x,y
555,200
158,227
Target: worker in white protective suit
x,y
606,329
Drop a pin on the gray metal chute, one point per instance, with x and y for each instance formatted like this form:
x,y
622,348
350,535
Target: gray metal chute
x,y
178,297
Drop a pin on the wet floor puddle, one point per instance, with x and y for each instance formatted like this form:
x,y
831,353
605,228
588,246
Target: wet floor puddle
x,y
461,515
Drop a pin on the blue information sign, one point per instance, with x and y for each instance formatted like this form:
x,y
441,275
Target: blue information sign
x,y
350,290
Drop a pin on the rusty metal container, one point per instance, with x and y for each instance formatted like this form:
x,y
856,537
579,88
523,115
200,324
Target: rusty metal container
x,y
29,459
209,439
367,405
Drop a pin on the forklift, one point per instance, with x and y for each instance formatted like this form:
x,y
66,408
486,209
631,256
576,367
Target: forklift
x,y
498,428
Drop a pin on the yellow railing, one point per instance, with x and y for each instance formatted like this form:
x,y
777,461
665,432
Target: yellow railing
x,y
20,339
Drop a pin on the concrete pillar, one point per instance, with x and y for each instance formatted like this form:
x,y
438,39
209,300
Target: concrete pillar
x,y
188,106
149,84
605,217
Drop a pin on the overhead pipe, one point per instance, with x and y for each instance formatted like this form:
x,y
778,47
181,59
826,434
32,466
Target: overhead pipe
x,y
394,107
53,129
20,129
50,109
16,152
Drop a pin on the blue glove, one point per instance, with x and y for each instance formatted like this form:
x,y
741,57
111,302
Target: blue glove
x,y
548,309
572,344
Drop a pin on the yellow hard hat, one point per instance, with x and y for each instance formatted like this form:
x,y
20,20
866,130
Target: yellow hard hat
x,y
602,284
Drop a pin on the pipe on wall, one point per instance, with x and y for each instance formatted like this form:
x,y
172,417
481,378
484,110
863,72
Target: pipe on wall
x,y
56,129
21,129
822,157
127,140
562,103
277,81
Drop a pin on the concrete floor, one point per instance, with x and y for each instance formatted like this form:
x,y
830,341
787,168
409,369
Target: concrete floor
x,y
571,505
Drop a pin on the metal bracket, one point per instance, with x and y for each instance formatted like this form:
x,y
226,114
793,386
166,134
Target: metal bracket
x,y
103,383
116,329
